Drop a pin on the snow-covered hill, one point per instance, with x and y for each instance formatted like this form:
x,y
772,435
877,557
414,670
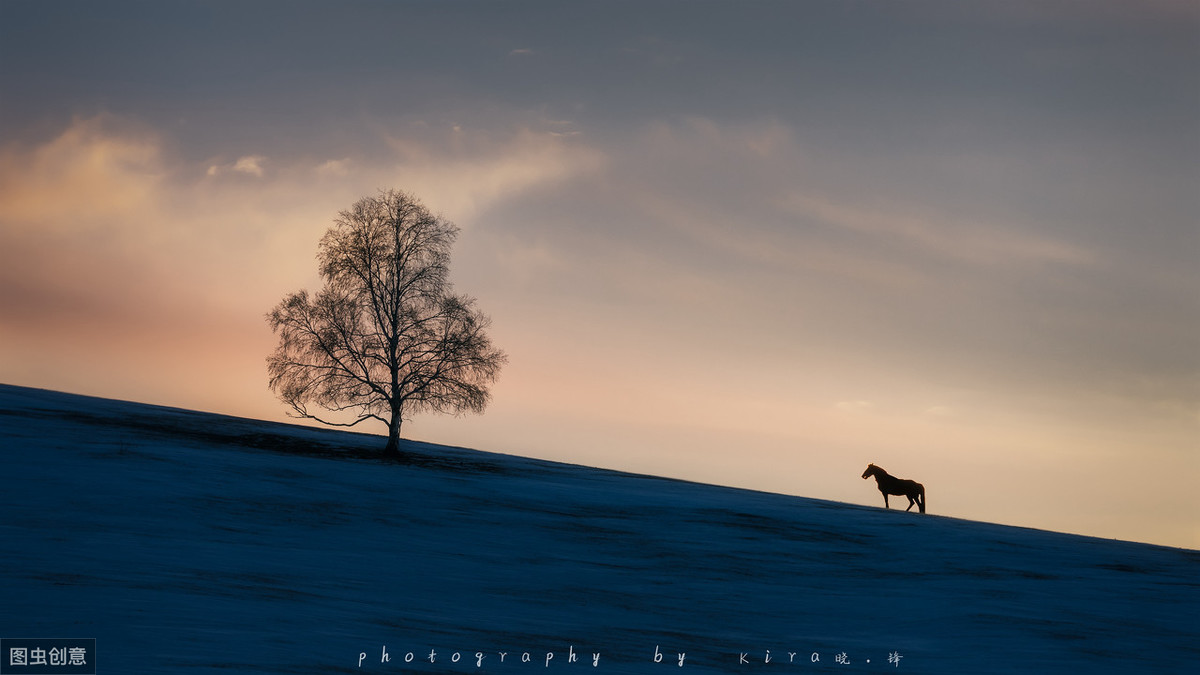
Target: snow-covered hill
x,y
194,543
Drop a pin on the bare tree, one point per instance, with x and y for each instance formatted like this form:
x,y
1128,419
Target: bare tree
x,y
385,338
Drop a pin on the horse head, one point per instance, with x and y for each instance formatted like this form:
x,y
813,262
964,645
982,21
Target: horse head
x,y
871,469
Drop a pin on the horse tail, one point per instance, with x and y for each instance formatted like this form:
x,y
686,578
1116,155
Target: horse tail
x,y
922,504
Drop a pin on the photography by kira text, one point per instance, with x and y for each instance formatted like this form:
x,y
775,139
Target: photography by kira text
x,y
478,659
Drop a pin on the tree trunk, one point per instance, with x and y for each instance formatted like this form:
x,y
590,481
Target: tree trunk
x,y
392,449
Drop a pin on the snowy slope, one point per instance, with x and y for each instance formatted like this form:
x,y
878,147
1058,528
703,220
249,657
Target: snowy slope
x,y
195,543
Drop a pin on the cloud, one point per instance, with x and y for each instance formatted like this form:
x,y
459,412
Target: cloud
x,y
251,165
963,240
335,167
101,220
97,168
119,258
522,52
718,239
754,189
465,170
80,214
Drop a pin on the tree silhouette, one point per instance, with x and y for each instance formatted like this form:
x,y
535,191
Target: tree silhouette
x,y
385,338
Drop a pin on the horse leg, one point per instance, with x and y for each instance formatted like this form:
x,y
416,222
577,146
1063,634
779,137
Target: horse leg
x,y
885,501
911,501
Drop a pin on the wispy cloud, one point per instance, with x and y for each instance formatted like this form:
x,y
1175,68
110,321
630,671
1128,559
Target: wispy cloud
x,y
969,241
463,170
250,165
335,167
96,167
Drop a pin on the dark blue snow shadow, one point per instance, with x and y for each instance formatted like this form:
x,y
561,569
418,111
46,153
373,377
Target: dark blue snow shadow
x,y
196,543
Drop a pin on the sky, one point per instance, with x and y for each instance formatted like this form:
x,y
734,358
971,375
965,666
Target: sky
x,y
753,244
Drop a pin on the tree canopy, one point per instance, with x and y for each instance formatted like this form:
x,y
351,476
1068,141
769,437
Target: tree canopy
x,y
385,337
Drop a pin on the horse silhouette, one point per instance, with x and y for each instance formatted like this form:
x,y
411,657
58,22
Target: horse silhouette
x,y
890,485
